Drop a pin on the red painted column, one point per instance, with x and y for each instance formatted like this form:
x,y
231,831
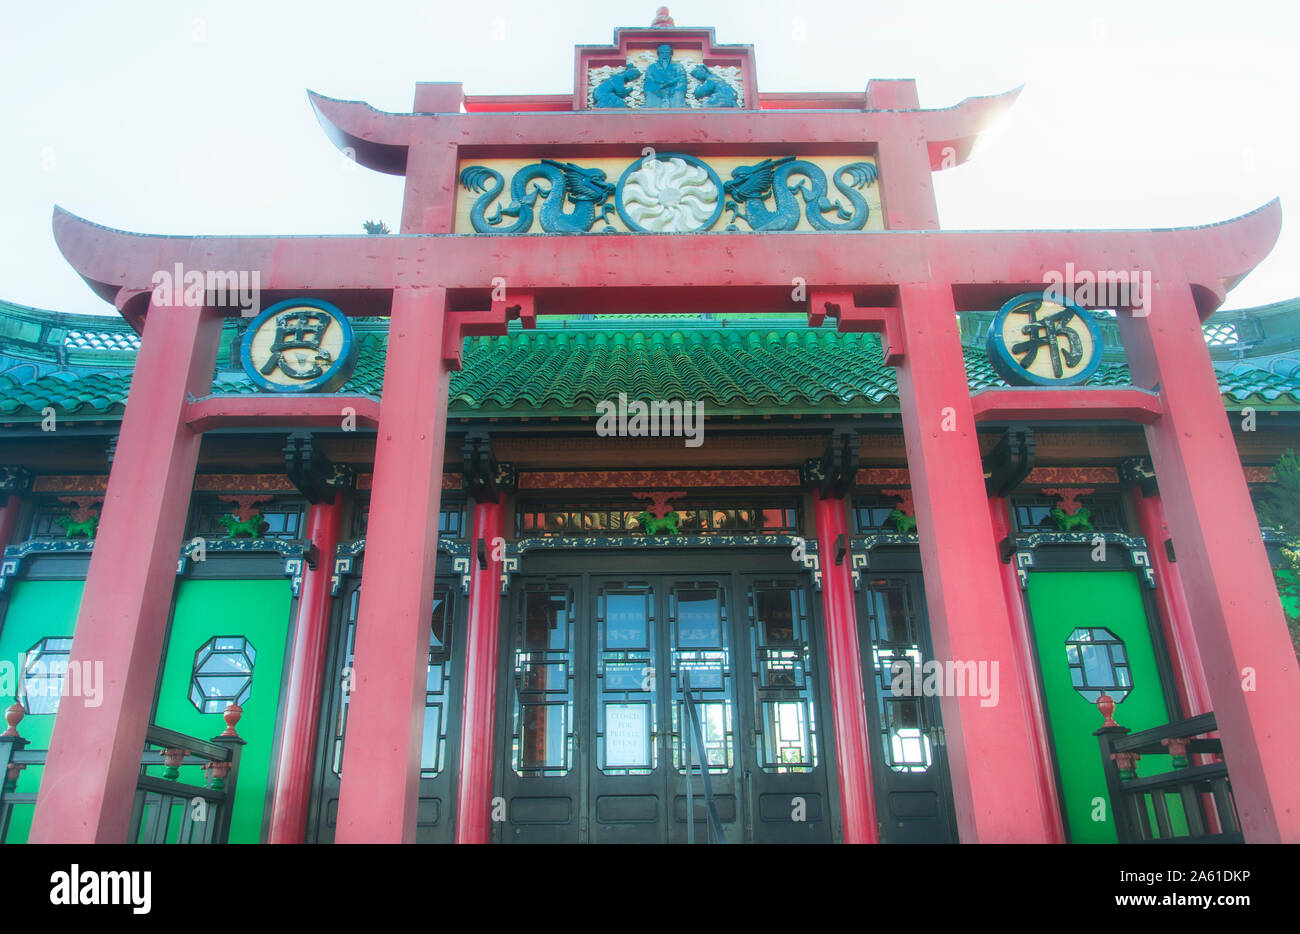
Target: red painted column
x,y
1249,662
1189,674
94,757
381,759
292,795
474,788
844,678
903,160
990,748
429,199
1030,689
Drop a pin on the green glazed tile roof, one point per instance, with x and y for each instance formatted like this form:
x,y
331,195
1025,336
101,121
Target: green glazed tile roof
x,y
565,368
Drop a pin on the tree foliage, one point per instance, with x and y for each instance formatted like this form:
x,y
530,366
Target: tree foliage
x,y
1278,507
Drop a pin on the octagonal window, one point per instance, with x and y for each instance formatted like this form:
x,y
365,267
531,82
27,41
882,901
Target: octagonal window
x,y
1098,663
44,669
223,673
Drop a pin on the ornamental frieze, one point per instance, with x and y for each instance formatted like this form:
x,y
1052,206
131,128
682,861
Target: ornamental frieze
x,y
668,192
664,77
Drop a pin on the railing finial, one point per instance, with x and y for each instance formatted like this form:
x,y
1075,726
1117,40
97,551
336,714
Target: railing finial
x,y
14,716
1106,705
232,715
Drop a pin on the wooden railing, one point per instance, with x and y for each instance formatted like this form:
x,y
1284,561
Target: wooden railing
x,y
164,810
1190,802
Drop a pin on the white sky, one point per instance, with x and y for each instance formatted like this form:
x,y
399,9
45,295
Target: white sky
x,y
177,117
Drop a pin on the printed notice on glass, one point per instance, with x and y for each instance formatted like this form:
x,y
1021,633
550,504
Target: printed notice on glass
x,y
627,736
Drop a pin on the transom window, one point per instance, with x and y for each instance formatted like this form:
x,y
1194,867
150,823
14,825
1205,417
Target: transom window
x,y
52,519
44,670
451,518
871,513
281,518
1034,513
693,518
1098,662
223,673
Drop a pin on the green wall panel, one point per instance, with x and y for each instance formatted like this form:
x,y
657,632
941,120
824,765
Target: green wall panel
x,y
36,609
1060,602
258,610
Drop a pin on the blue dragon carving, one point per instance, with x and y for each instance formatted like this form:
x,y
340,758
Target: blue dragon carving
x,y
585,188
752,185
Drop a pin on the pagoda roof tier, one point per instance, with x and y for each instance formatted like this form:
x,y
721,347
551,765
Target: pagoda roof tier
x,y
564,367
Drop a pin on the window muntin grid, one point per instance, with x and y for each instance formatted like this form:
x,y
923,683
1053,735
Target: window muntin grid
x,y
700,642
542,731
222,674
45,669
437,688
627,714
1098,662
896,654
782,673
713,518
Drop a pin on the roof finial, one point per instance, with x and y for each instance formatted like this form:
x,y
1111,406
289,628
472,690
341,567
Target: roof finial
x,y
662,18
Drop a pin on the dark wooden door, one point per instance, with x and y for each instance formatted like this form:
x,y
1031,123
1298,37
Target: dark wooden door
x,y
909,761
444,693
592,722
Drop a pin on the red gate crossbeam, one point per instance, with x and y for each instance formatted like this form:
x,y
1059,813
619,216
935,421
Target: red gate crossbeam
x,y
459,325
851,316
759,269
380,140
290,410
1079,403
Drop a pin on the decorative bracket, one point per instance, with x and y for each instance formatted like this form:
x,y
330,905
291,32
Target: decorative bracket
x,y
14,555
834,473
317,478
346,553
1010,461
293,553
13,480
483,477
1139,472
852,317
1023,547
860,550
458,325
803,551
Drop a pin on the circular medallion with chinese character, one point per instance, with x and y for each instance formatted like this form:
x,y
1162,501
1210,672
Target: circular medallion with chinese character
x,y
1037,341
299,345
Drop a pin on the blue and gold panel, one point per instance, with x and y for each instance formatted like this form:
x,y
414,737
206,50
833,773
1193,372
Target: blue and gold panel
x,y
669,192
299,345
1036,341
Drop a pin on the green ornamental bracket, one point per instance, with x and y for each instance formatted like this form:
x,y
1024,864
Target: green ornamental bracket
x,y
1071,515
666,523
659,516
243,528
250,525
83,520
